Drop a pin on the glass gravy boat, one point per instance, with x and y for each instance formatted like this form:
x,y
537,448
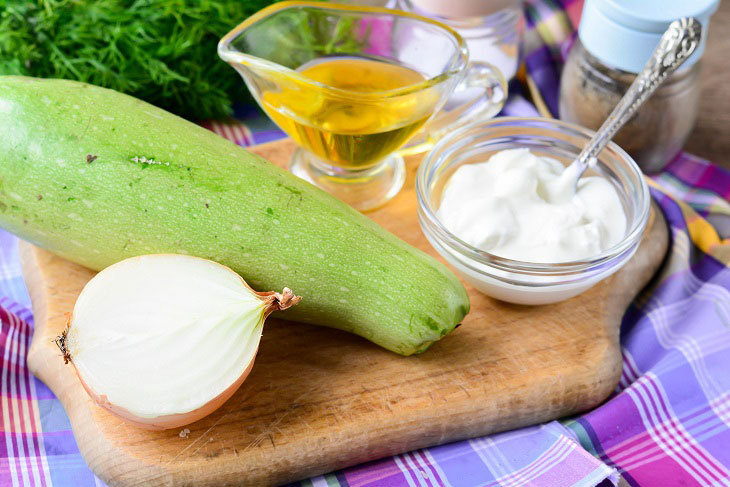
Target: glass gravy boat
x,y
352,84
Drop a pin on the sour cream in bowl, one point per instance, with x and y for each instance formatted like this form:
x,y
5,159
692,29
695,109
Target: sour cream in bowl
x,y
484,207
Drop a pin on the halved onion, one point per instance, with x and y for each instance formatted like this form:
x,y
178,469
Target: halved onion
x,y
163,340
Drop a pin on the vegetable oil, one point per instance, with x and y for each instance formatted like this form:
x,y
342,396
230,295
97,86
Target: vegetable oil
x,y
351,118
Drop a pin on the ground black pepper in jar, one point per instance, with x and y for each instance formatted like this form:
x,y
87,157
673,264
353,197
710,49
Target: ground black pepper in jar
x,y
615,40
589,90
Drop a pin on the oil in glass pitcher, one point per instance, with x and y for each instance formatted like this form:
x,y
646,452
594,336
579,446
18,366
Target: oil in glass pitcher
x,y
352,134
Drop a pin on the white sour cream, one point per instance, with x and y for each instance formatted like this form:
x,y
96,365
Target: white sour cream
x,y
501,206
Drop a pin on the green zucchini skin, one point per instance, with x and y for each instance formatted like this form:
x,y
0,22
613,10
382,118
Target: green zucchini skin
x,y
76,179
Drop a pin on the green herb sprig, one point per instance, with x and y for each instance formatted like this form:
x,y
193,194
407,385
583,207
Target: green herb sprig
x,y
163,51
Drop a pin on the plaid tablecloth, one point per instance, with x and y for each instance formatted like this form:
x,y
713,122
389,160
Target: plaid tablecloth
x,y
667,424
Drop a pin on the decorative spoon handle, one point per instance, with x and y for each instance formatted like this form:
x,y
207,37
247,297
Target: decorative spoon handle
x,y
676,45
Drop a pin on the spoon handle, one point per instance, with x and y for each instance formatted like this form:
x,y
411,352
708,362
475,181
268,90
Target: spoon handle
x,y
676,45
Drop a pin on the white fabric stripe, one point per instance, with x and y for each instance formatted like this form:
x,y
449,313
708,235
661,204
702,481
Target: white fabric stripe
x,y
404,470
626,374
243,134
423,469
27,427
226,132
16,308
480,453
215,127
636,460
231,131
236,133
415,470
722,405
500,466
691,286
630,369
249,135
437,467
710,345
509,469
525,474
635,453
623,381
660,456
689,194
239,135
4,388
662,320
41,467
667,449
430,472
490,447
691,279
668,444
680,437
721,291
14,354
703,456
698,426
41,445
570,446
492,457
542,464
695,354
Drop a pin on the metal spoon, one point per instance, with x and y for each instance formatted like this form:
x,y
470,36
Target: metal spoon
x,y
676,45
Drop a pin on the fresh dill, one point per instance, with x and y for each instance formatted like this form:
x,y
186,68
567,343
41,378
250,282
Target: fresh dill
x,y
162,51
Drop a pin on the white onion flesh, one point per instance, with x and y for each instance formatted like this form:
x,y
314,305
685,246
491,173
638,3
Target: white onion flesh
x,y
163,340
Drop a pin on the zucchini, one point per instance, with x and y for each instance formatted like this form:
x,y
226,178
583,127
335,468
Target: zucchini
x,y
96,176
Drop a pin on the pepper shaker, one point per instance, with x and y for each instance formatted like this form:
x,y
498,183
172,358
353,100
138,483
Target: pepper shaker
x,y
615,40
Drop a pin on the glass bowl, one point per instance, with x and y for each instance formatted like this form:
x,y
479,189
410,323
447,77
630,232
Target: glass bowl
x,y
512,280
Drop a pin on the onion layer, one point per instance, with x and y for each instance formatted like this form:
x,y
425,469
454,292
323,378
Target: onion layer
x,y
164,340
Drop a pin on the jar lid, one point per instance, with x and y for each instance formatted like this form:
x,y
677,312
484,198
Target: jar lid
x,y
624,33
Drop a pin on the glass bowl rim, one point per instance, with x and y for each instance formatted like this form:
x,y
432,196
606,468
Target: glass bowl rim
x,y
232,56
449,240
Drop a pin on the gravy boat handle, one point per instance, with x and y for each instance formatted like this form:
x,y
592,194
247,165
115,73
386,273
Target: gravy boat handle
x,y
480,95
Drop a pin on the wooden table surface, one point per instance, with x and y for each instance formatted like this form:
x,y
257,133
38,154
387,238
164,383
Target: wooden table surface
x,y
711,137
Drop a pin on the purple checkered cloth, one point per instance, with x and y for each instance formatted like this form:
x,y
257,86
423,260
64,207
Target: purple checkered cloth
x,y
667,423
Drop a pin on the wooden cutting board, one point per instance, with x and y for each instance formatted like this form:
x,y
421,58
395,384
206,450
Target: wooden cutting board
x,y
320,399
